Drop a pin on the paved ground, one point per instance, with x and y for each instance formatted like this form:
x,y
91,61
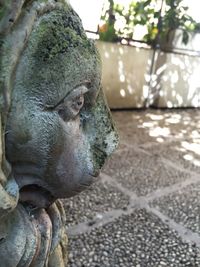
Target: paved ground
x,y
145,210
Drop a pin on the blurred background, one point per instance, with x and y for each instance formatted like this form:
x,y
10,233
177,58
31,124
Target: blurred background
x,y
150,50
145,209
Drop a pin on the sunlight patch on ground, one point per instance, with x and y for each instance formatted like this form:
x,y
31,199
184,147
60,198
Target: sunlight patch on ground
x,y
191,147
122,93
176,118
163,126
155,117
160,140
188,157
158,131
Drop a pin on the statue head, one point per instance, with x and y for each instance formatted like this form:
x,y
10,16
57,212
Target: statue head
x,y
59,130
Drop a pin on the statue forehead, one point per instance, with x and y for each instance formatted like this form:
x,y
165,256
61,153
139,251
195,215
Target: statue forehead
x,y
58,55
30,45
59,32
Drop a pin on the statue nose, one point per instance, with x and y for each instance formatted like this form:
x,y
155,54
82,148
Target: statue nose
x,y
104,146
106,133
111,141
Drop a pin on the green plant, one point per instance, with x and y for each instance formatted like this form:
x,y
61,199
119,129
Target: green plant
x,y
158,17
176,17
107,31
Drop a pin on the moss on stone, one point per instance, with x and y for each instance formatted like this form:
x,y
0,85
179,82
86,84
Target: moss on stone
x,y
58,33
4,6
2,11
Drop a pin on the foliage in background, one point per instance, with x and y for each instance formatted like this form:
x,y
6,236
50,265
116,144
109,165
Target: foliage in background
x,y
157,19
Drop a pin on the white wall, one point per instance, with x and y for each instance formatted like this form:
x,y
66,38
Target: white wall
x,y
177,77
125,74
175,81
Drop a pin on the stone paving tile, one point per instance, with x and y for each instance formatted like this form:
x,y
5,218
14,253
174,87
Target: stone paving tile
x,y
136,240
142,127
142,173
134,136
176,118
98,198
182,206
185,153
128,129
142,239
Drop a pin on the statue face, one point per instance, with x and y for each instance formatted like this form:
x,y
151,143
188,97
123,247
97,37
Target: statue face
x,y
59,130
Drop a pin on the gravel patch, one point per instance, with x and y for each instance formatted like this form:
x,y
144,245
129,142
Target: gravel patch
x,y
142,173
182,206
99,198
137,240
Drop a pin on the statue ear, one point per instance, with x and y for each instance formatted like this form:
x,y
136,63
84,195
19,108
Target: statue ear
x,y
9,54
10,11
9,192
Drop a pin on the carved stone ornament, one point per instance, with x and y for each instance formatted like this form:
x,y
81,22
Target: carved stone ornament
x,y
56,129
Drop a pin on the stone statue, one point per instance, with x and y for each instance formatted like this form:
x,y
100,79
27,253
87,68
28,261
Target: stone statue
x,y
56,129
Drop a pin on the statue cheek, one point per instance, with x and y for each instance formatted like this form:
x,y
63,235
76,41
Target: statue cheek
x,y
74,168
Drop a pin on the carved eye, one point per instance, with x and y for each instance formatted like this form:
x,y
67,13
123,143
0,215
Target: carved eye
x,y
71,105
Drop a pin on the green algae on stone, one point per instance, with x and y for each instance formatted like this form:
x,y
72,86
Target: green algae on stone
x,y
59,32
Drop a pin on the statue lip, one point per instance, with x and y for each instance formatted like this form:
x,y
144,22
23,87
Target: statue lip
x,y
33,191
36,196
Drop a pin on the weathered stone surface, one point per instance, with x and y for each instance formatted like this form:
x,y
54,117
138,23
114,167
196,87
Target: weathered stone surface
x,y
56,127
